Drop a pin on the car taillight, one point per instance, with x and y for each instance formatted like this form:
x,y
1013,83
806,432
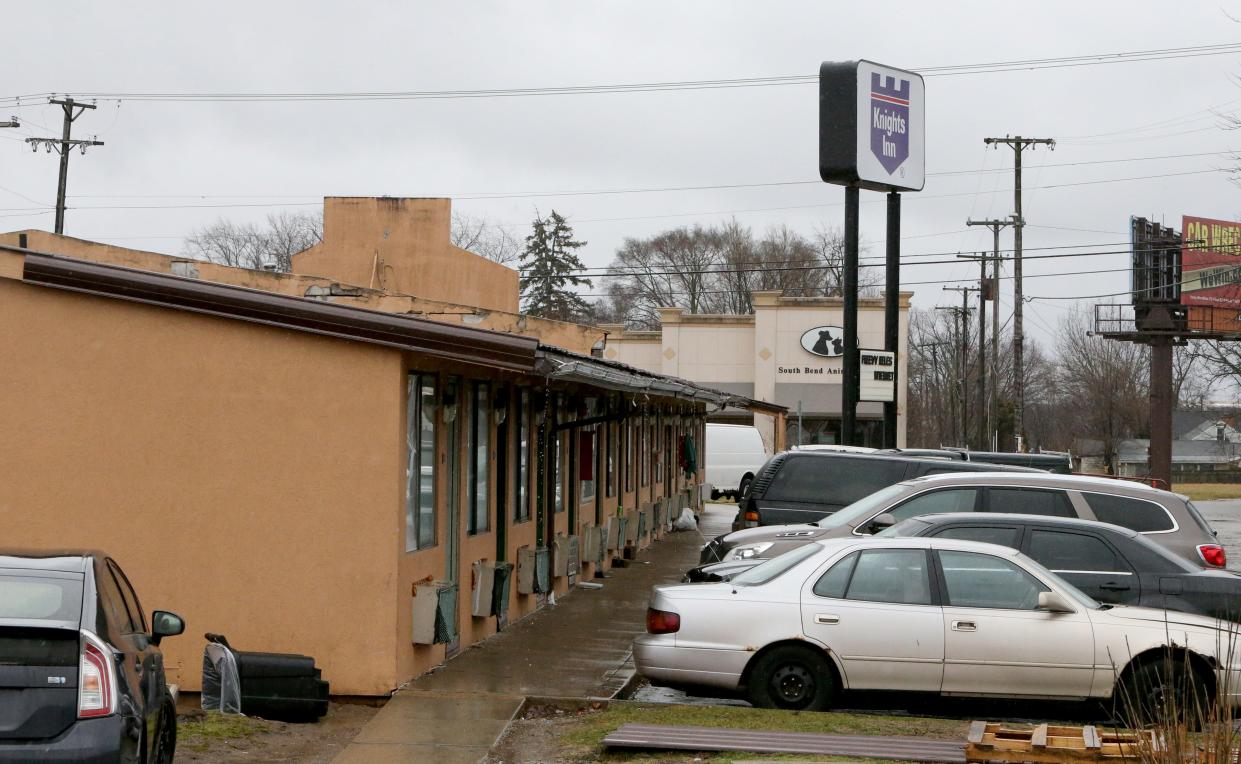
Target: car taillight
x,y
751,516
1213,555
96,680
662,621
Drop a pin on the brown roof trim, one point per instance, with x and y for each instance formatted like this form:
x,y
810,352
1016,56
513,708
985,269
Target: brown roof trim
x,y
465,344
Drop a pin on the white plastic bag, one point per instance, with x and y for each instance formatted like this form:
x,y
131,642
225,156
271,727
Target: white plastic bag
x,y
221,689
686,522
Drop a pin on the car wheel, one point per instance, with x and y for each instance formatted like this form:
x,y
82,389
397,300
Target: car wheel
x,y
1162,689
745,486
792,678
715,495
165,734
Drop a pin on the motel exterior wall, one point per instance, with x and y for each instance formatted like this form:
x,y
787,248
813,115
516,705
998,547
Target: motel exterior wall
x,y
242,476
253,478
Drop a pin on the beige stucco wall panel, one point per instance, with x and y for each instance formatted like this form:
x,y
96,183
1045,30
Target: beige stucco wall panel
x,y
402,245
240,474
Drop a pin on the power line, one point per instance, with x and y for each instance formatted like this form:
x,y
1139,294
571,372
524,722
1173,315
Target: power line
x,y
675,292
1060,62
920,197
763,266
477,196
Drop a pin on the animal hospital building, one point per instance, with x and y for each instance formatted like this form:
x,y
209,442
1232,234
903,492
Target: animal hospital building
x,y
788,352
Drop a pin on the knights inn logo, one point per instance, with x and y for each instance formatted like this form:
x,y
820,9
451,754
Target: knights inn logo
x,y
889,125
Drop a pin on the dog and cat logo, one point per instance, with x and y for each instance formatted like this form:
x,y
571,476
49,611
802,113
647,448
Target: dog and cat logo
x,y
827,341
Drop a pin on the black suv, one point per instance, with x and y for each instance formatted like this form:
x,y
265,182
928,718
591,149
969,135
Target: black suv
x,y
81,675
803,486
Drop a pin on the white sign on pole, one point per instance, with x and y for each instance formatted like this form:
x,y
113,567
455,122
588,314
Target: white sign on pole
x,y
872,126
878,372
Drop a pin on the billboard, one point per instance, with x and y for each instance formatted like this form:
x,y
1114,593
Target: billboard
x,y
1211,263
872,121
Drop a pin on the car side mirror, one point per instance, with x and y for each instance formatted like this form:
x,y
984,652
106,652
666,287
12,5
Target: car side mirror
x,y
165,624
1053,602
881,522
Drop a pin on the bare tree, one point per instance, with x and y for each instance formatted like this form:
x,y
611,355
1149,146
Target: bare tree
x,y
829,246
247,245
715,269
1103,384
491,240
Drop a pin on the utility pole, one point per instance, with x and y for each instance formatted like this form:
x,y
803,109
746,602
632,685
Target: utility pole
x,y
1018,145
961,319
63,146
992,438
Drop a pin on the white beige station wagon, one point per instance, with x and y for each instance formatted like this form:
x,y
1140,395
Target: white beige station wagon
x,y
927,615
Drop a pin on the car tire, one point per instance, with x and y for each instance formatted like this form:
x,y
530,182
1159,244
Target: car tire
x,y
745,486
792,678
165,743
1155,689
715,495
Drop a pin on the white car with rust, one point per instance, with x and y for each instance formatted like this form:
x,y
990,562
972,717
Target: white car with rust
x,y
925,615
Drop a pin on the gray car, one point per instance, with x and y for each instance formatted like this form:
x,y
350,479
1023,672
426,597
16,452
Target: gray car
x,y
1166,518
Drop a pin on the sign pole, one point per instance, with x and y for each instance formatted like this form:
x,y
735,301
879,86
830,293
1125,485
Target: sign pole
x,y
891,310
872,135
848,412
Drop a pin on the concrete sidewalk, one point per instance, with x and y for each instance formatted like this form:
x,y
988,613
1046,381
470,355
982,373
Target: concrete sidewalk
x,y
579,648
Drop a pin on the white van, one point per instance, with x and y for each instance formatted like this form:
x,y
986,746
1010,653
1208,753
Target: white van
x,y
734,454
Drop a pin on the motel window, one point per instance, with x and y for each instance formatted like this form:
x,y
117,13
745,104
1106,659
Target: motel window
x,y
420,467
587,440
558,472
657,453
628,466
480,431
522,507
644,448
609,461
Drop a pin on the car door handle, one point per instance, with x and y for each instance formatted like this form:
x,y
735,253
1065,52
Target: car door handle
x,y
964,626
1114,586
826,620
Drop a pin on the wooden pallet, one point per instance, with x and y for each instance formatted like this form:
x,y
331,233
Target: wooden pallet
x,y
991,743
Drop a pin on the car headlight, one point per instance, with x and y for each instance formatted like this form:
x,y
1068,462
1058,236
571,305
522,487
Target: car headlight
x,y
749,551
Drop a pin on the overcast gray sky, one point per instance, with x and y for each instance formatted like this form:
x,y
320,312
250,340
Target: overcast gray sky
x,y
170,162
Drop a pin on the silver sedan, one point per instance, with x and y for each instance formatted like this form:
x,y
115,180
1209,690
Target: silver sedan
x,y
925,615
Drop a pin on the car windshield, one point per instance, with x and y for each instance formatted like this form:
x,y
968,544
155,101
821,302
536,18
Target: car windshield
x,y
863,508
776,566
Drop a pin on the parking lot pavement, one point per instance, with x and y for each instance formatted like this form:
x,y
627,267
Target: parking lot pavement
x,y
576,649
1225,516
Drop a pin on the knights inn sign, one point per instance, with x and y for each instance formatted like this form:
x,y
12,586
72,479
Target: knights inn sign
x,y
871,126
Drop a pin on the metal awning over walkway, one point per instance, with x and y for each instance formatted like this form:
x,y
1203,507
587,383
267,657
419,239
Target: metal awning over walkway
x,y
556,363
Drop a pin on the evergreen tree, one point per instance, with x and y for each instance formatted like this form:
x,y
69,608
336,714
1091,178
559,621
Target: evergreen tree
x,y
548,267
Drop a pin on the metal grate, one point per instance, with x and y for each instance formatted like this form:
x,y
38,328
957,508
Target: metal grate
x,y
573,565
446,614
542,570
500,594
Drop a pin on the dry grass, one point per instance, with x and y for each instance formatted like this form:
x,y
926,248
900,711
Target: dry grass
x,y
1209,491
